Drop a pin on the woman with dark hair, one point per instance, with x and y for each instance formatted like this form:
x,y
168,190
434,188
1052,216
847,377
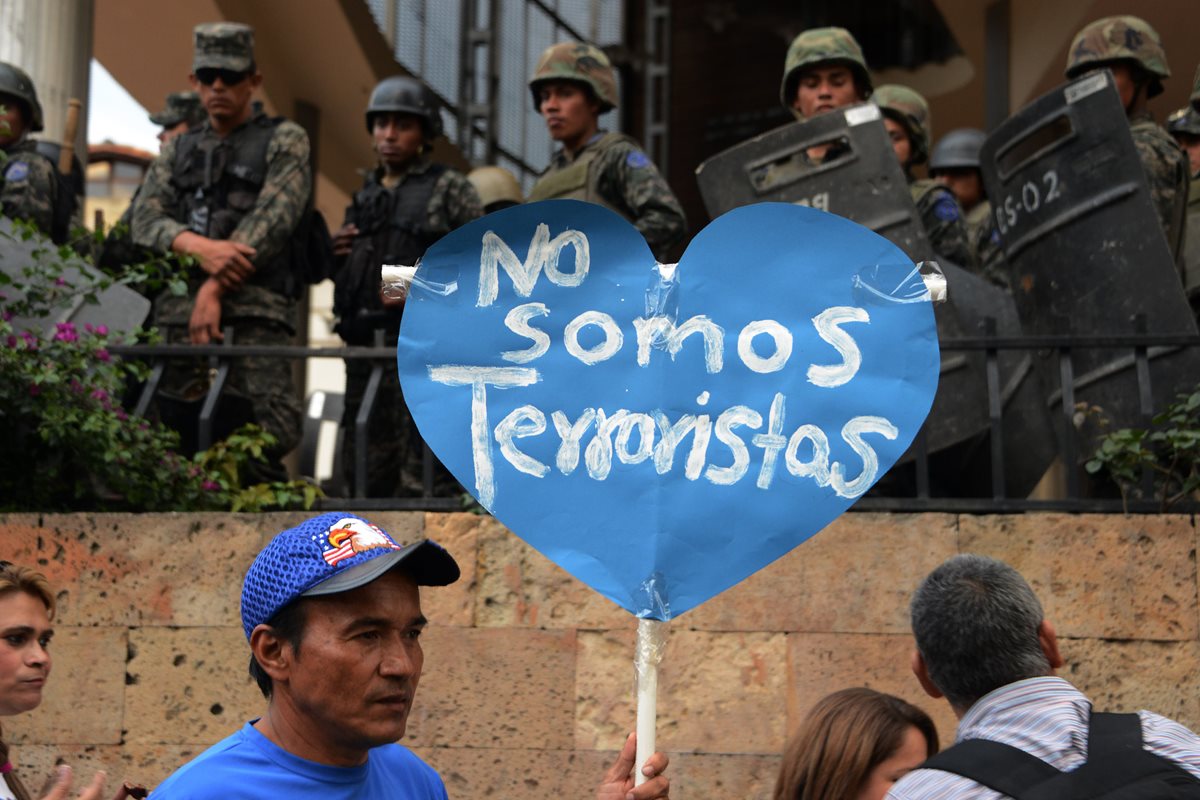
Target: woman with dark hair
x,y
26,610
853,745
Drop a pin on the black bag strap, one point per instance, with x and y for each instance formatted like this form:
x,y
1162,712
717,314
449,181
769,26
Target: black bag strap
x,y
1116,757
998,766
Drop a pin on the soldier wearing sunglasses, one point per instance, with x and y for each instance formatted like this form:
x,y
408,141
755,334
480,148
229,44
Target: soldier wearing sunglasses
x,y
231,193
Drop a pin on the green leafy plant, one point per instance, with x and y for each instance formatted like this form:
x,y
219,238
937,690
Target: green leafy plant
x,y
1170,451
67,440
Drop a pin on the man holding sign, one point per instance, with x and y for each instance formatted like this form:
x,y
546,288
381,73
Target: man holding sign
x,y
332,612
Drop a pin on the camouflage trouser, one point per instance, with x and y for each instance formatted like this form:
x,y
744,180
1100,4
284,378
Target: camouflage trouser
x,y
258,389
395,451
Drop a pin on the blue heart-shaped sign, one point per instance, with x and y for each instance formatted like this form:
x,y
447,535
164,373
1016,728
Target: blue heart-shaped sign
x,y
663,432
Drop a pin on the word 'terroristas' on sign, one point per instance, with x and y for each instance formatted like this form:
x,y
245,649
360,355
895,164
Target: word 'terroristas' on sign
x,y
662,431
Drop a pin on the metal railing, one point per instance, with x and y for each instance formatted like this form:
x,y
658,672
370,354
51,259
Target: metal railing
x,y
1062,351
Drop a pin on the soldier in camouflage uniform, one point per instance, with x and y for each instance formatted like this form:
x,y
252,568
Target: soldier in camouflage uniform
x,y
183,112
954,163
406,204
231,194
906,117
572,86
1133,51
1184,125
29,185
824,70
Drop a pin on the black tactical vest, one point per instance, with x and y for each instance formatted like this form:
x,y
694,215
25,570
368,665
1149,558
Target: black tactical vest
x,y
218,181
392,229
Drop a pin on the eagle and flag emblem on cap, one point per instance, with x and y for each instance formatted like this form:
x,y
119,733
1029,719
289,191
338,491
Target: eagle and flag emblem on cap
x,y
350,536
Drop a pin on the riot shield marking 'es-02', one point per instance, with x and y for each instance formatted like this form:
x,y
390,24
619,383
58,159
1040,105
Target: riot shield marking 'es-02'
x,y
842,162
1085,244
663,431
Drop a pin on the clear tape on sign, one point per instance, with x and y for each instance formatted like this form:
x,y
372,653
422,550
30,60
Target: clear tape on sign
x,y
396,279
653,601
923,282
662,299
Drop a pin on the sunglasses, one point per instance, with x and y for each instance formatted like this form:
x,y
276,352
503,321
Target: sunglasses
x,y
208,76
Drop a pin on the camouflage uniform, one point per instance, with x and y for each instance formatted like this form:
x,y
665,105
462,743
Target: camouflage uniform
x,y
30,188
937,206
958,151
262,310
29,182
118,250
394,461
1186,123
1167,171
1130,40
398,217
620,176
610,169
987,248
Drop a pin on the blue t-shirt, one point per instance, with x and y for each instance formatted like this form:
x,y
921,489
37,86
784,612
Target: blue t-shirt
x,y
248,765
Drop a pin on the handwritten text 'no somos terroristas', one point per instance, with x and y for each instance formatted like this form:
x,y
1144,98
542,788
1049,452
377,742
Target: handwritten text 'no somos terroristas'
x,y
658,437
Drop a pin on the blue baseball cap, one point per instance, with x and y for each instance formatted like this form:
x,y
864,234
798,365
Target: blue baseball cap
x,y
333,553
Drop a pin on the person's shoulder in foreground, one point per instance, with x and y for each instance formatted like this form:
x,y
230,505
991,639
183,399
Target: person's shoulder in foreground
x,y
249,765
984,644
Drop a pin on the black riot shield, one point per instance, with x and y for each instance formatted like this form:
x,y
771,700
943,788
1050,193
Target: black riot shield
x,y
1087,250
858,177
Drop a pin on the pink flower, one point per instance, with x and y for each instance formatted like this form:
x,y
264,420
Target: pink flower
x,y
103,355
66,332
60,281
34,390
99,394
102,330
12,341
210,486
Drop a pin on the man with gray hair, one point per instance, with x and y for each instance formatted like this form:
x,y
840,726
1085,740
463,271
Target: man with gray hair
x,y
984,644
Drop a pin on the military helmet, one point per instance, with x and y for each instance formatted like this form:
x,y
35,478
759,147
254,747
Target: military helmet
x,y
496,184
1185,120
576,61
401,94
958,149
1123,38
822,46
15,82
910,109
181,107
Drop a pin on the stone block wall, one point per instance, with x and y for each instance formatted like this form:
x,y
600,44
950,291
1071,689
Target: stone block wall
x,y
528,682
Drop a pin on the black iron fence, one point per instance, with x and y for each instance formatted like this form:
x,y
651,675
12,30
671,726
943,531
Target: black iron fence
x,y
1131,357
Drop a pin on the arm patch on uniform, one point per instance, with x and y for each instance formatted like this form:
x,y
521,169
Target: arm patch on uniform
x,y
945,208
16,171
637,159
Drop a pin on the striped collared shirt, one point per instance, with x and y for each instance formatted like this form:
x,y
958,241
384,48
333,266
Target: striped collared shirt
x,y
1048,718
